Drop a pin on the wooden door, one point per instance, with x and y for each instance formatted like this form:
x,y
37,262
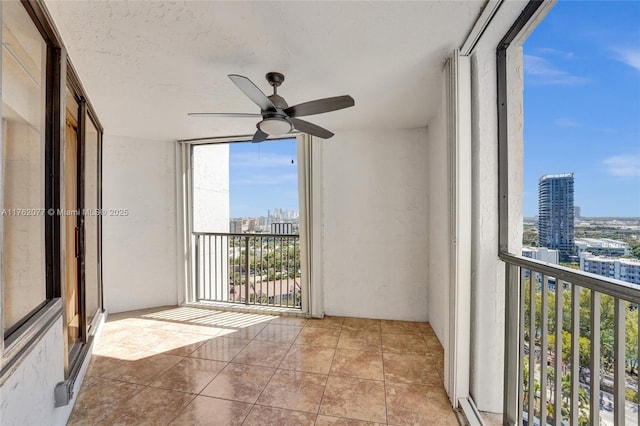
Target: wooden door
x,y
72,299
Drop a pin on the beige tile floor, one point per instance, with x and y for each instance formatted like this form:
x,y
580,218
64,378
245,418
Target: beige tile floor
x,y
192,366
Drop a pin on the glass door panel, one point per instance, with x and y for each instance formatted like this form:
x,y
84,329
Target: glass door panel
x,y
72,293
91,218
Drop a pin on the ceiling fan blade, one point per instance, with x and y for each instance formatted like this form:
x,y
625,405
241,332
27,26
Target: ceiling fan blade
x,y
259,136
224,114
253,92
320,105
310,128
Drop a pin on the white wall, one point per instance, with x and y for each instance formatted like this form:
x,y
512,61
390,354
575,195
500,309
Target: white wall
x,y
211,213
487,272
374,224
26,398
438,269
211,188
139,250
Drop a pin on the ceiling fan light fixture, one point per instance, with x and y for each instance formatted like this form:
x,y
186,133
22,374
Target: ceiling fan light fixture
x,y
275,126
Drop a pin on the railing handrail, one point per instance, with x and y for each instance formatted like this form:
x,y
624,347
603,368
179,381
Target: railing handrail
x,y
255,234
609,286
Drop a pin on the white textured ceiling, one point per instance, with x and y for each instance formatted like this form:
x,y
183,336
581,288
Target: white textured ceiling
x,y
145,64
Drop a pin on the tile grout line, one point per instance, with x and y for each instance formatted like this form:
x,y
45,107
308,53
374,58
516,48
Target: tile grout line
x,y
275,371
194,396
328,375
384,379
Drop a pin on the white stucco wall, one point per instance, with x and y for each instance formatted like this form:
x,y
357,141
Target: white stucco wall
x,y
211,188
211,214
27,398
374,224
438,270
487,271
139,250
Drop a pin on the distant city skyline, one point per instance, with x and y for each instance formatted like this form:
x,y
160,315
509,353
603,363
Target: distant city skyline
x,y
271,212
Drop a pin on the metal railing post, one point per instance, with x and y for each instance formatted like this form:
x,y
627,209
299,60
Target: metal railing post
x,y
246,268
557,366
197,283
575,353
619,381
511,349
594,367
544,346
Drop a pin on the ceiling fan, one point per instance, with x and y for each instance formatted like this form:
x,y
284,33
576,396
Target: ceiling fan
x,y
278,118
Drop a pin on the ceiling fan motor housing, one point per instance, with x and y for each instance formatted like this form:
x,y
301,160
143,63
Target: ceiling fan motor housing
x,y
275,79
278,101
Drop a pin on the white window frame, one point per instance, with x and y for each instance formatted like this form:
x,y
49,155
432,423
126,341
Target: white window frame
x,y
307,204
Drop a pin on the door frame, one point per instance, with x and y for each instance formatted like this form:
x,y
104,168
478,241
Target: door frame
x,y
74,358
184,207
72,353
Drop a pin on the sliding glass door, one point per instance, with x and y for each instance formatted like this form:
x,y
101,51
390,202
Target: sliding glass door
x,y
82,221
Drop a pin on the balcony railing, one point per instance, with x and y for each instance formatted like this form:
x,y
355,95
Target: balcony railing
x,y
249,269
571,349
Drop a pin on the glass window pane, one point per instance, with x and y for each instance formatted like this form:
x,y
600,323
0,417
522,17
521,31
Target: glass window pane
x,y
92,290
23,123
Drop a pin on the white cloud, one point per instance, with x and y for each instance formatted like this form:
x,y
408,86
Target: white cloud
x,y
555,52
626,165
261,160
566,122
630,57
267,179
542,71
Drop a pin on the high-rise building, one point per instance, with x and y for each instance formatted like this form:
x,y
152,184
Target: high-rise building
x,y
237,226
555,214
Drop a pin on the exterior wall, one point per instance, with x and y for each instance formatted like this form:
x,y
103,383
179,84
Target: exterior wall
x,y
211,188
139,249
211,202
374,225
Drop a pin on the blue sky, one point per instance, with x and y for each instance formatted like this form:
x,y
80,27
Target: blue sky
x,y
261,177
582,105
582,115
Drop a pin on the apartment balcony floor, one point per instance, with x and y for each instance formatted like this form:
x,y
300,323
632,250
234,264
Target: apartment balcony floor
x,y
186,366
